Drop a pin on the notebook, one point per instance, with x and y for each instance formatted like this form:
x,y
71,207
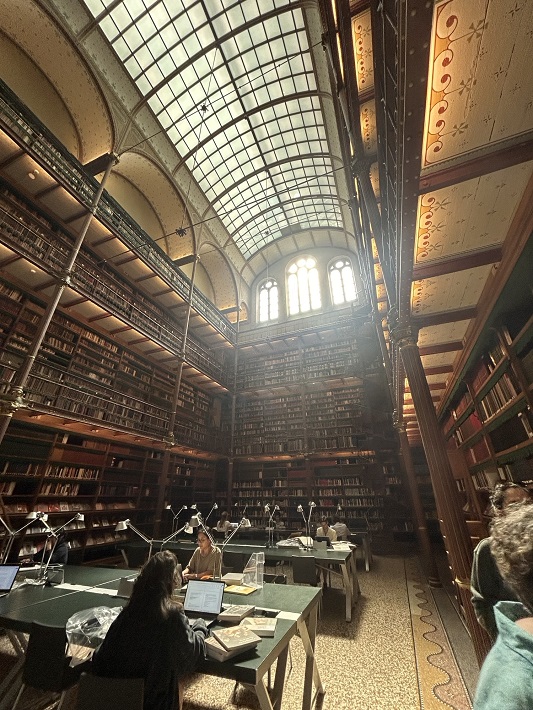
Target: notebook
x,y
203,600
8,574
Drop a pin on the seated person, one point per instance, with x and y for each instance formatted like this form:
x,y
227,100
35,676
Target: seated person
x,y
486,583
205,561
224,524
279,523
324,530
506,677
60,553
152,638
341,528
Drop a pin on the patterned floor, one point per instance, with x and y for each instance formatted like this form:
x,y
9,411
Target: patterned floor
x,y
394,655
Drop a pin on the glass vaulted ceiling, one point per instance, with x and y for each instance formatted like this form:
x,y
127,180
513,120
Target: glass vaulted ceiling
x,y
232,84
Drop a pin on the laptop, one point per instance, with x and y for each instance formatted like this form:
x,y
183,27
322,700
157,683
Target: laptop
x,y
321,542
203,600
8,574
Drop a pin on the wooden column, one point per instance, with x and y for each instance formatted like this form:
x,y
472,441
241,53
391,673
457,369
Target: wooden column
x,y
420,516
453,524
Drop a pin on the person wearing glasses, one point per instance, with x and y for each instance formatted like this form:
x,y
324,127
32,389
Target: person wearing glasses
x,y
152,638
205,561
486,583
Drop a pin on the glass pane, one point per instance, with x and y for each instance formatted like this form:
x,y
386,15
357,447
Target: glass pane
x,y
292,287
349,283
337,291
314,288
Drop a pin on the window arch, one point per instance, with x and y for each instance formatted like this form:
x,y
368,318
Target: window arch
x,y
268,295
303,286
342,281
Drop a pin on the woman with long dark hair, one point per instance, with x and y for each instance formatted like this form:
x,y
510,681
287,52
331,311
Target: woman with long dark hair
x,y
152,638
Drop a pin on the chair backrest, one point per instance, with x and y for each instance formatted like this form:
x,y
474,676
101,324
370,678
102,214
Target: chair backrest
x,y
304,569
275,578
45,661
235,560
97,693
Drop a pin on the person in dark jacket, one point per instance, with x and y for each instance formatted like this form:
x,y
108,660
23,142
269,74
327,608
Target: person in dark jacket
x,y
151,638
60,551
486,583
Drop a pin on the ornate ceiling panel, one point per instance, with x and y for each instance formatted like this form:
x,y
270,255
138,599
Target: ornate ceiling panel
x,y
457,290
471,215
480,68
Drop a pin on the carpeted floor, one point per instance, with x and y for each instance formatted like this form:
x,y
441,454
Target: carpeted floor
x,y
394,655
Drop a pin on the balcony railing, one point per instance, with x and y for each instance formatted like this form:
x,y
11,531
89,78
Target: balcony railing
x,y
38,141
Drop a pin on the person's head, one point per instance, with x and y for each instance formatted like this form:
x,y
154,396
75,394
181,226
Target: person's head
x,y
512,548
204,543
156,581
324,522
224,516
508,493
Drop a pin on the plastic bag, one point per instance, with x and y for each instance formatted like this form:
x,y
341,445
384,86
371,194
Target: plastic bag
x,y
89,626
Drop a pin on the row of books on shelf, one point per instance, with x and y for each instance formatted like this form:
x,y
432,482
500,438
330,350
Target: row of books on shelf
x,y
374,501
57,471
61,489
346,481
362,491
496,398
19,468
489,477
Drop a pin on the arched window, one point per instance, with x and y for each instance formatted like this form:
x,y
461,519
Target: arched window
x,y
268,301
342,281
303,287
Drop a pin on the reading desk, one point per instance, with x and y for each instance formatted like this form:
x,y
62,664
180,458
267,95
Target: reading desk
x,y
344,559
86,587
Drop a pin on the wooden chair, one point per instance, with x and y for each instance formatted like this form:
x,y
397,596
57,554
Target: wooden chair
x,y
97,693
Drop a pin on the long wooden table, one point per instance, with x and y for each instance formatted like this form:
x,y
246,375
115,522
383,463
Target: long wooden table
x,y
87,587
344,559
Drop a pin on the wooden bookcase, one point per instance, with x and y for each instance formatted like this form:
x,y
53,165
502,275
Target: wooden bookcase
x,y
490,420
62,474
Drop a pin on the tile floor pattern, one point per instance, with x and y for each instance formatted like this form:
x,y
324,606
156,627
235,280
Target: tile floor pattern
x,y
376,662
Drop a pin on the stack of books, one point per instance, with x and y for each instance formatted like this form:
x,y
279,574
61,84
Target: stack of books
x,y
224,644
260,625
236,613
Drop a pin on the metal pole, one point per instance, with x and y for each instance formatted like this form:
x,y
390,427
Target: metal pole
x,y
13,399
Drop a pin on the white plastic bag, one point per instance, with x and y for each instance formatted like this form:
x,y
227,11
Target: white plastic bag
x,y
88,627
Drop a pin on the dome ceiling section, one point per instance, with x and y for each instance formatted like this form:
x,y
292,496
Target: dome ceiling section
x,y
32,29
235,90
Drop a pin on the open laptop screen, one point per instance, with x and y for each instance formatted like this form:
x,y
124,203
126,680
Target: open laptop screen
x,y
203,596
7,577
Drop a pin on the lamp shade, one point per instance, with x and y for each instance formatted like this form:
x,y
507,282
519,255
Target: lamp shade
x,y
122,525
37,515
194,522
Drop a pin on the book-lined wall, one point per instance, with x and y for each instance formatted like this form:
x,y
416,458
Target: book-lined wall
x,y
83,374
354,488
63,474
491,420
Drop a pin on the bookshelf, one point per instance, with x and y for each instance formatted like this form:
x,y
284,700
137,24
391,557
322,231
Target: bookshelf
x,y
490,420
61,474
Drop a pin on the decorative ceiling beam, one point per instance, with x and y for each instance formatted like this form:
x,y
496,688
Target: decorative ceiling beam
x,y
471,260
442,348
440,370
489,162
444,317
